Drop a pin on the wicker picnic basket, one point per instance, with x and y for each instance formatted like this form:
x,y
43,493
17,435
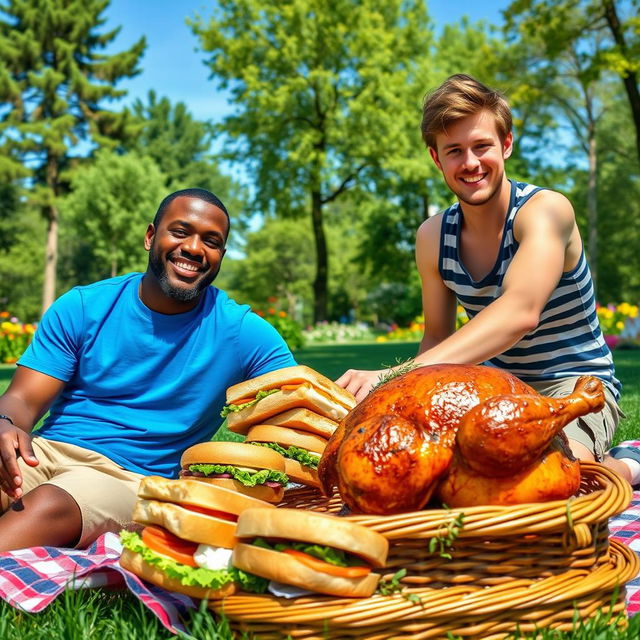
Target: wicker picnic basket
x,y
521,567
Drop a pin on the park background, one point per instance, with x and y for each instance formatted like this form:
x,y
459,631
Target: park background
x,y
303,117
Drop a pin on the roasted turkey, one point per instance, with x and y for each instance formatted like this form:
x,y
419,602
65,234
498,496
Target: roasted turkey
x,y
475,434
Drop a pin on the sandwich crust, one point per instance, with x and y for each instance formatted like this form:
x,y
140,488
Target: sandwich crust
x,y
289,375
318,528
305,420
260,492
281,567
301,474
286,437
188,525
198,494
133,562
306,397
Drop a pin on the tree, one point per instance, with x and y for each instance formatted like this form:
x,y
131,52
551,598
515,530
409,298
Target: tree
x,y
110,205
324,91
566,21
273,267
20,250
53,82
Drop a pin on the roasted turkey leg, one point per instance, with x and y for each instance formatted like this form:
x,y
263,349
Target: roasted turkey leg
x,y
506,434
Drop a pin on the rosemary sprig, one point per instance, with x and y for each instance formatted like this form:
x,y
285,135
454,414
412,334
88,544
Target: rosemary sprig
x,y
393,371
443,542
389,587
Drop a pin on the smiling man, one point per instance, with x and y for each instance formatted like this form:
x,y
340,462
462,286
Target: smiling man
x,y
511,254
133,370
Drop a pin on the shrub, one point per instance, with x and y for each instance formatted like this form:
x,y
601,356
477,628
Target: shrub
x,y
285,325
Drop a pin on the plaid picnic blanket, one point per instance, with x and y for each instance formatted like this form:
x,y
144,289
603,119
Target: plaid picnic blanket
x,y
626,529
30,579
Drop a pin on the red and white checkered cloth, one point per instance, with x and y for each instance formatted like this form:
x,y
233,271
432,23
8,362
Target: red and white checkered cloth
x,y
30,579
626,529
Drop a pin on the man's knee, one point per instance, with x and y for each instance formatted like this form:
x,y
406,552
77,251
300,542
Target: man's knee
x,y
49,516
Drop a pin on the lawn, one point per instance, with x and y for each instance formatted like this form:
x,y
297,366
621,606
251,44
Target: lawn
x,y
119,616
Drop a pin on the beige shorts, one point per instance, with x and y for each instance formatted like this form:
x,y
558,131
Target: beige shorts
x,y
594,430
104,491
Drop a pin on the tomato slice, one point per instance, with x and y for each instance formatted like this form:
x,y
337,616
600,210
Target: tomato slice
x,y
320,565
223,515
244,401
165,543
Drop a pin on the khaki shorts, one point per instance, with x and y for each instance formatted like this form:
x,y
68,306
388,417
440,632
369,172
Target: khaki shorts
x,y
104,491
594,430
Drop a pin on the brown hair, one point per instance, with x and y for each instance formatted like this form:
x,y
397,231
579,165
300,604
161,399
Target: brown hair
x,y
457,97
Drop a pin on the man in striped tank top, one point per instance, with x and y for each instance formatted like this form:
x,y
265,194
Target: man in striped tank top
x,y
511,254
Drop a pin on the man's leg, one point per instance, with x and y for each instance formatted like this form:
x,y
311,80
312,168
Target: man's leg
x,y
49,516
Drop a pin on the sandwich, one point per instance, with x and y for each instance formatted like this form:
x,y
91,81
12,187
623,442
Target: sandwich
x,y
304,420
312,551
301,450
186,542
258,472
255,401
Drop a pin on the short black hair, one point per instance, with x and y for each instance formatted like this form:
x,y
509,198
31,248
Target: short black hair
x,y
200,194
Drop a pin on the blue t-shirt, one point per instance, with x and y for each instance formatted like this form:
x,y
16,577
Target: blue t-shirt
x,y
143,386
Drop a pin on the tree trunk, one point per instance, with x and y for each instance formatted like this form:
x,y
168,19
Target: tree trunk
x,y
322,268
592,210
51,251
629,77
425,205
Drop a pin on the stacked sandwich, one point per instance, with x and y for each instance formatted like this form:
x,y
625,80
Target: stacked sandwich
x,y
189,531
293,411
252,471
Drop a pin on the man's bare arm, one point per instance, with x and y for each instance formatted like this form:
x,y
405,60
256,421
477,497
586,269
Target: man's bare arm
x,y
26,400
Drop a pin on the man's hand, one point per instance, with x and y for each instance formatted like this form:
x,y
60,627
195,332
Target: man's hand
x,y
14,442
360,383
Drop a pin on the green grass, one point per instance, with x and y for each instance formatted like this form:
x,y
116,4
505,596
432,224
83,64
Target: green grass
x,y
98,614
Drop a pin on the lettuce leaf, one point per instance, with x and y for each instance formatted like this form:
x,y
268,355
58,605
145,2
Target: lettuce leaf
x,y
294,453
232,408
192,576
330,555
247,478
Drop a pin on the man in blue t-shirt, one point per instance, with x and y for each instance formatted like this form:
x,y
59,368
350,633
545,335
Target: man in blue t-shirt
x,y
133,370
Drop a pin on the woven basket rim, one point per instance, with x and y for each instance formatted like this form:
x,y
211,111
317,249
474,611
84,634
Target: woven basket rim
x,y
611,497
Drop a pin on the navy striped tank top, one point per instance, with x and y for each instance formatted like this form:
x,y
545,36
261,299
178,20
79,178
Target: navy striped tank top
x,y
567,341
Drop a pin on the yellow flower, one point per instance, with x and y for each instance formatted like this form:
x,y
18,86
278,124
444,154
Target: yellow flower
x,y
620,325
381,339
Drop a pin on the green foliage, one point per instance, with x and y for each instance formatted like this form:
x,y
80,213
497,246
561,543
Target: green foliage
x,y
277,264
22,232
181,147
320,93
53,81
395,302
285,325
112,201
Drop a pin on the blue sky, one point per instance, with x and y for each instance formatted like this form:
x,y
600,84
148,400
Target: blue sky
x,y
173,66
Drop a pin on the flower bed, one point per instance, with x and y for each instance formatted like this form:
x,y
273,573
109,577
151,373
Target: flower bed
x,y
15,336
